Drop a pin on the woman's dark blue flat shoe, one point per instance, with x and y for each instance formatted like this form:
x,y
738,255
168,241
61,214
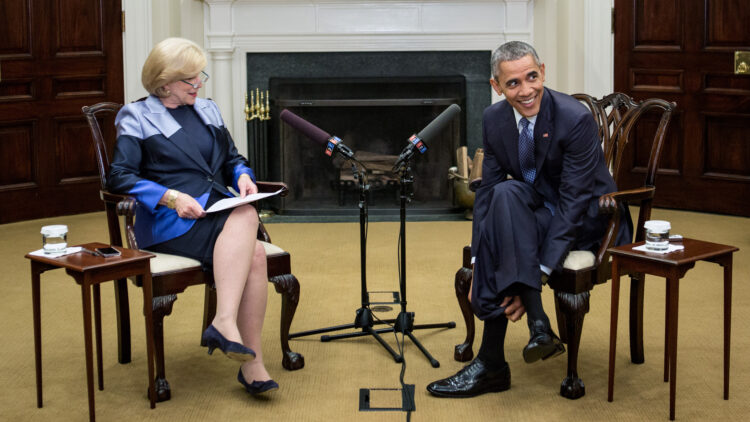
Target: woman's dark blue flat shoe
x,y
257,387
214,340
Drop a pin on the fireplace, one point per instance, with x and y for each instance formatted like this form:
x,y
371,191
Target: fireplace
x,y
373,101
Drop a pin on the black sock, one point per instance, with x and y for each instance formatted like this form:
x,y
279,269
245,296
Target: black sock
x,y
492,349
532,301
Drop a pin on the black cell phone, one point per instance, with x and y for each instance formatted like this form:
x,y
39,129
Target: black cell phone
x,y
108,251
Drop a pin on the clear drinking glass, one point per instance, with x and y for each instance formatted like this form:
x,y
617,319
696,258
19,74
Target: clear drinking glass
x,y
657,234
54,238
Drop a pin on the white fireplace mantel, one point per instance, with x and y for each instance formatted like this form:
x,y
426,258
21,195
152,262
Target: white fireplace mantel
x,y
233,28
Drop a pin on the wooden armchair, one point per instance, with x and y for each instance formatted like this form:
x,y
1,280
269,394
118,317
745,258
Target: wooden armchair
x,y
172,274
617,115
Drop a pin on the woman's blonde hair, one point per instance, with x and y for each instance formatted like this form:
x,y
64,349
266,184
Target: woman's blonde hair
x,y
171,60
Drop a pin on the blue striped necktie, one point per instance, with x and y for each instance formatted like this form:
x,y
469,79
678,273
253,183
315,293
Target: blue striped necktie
x,y
526,152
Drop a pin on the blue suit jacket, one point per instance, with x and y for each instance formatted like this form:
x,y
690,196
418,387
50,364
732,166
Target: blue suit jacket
x,y
153,154
570,170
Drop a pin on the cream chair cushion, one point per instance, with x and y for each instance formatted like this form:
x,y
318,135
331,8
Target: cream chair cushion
x,y
271,249
164,262
577,260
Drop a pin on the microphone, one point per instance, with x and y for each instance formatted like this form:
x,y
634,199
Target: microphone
x,y
418,141
317,135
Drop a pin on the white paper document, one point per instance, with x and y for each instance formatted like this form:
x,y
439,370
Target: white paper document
x,y
66,251
225,204
670,248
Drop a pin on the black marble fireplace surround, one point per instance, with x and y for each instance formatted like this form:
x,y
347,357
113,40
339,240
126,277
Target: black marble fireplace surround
x,y
373,101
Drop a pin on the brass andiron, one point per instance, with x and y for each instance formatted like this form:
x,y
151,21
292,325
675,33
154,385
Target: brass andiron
x,y
255,108
268,109
257,113
261,107
250,113
247,109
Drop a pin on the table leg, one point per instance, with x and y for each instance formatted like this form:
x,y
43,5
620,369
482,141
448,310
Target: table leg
x,y
667,314
98,335
86,299
673,306
123,320
36,310
148,317
727,321
637,284
613,327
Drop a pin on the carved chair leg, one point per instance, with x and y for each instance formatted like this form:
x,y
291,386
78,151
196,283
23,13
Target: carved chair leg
x,y
162,308
636,318
463,352
562,323
209,309
288,286
122,309
575,307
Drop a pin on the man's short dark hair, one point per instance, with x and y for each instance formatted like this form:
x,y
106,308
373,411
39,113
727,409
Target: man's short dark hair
x,y
510,51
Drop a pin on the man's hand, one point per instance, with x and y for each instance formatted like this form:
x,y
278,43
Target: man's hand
x,y
187,207
514,309
246,185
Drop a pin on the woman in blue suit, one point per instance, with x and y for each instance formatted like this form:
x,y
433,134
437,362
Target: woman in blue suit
x,y
175,155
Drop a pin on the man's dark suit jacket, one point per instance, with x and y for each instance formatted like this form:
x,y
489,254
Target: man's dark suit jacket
x,y
570,171
153,153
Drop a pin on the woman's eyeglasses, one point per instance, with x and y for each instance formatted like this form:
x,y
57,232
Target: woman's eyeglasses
x,y
202,78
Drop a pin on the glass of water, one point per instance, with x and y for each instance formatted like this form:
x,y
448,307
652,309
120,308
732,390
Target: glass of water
x,y
657,234
54,238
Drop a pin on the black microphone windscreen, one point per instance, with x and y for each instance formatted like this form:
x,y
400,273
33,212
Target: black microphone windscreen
x,y
306,128
439,123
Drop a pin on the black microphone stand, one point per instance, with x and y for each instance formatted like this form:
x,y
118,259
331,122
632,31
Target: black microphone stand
x,y
405,320
364,319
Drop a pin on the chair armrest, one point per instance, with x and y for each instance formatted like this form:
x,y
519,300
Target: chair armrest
x,y
608,202
264,187
113,198
126,207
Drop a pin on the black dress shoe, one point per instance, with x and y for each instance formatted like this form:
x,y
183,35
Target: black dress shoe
x,y
256,387
474,379
544,343
215,340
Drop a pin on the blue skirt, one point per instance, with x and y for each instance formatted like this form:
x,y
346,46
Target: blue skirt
x,y
198,243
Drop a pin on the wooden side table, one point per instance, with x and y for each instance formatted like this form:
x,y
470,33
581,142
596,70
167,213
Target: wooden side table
x,y
673,267
89,271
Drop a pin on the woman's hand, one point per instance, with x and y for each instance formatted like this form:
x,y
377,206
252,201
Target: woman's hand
x,y
187,207
246,185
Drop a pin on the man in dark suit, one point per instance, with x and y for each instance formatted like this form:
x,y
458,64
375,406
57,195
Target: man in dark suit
x,y
542,174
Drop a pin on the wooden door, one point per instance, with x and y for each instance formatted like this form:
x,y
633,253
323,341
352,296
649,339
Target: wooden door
x,y
55,57
683,51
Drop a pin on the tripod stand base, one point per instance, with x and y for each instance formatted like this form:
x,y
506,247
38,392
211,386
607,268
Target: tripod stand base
x,y
364,320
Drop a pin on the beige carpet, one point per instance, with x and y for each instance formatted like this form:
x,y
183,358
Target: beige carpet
x,y
325,258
